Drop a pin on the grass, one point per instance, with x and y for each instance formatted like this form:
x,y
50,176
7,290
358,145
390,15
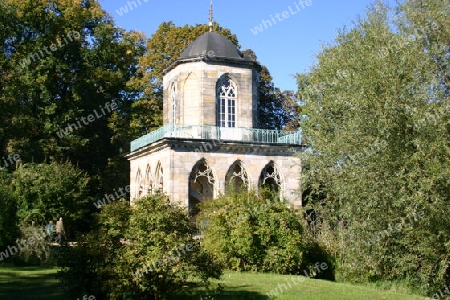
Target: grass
x,y
23,283
255,286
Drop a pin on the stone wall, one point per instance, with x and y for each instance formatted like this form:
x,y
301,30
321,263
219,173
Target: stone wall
x,y
196,96
178,157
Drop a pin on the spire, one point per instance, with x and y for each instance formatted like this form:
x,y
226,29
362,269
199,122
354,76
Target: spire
x,y
211,16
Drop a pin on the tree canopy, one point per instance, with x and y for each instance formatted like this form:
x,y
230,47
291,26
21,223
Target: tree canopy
x,y
378,129
64,65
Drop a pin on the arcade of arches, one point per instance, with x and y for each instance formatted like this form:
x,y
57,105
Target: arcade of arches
x,y
203,182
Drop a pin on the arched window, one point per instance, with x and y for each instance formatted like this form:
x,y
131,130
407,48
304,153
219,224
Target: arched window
x,y
237,178
139,184
148,181
173,97
270,180
226,102
201,185
159,177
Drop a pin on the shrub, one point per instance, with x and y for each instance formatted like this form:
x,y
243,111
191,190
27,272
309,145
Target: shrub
x,y
90,267
163,254
250,232
46,192
36,248
142,252
9,230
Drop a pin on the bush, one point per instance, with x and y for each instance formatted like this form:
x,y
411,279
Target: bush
x,y
90,267
9,230
249,232
142,252
36,250
162,254
46,192
316,252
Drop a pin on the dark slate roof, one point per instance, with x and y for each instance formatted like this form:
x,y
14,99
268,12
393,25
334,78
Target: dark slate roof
x,y
212,43
213,47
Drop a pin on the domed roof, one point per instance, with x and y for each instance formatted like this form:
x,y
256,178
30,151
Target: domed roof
x,y
212,44
213,47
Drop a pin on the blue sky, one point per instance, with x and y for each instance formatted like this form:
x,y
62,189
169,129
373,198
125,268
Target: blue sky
x,y
286,47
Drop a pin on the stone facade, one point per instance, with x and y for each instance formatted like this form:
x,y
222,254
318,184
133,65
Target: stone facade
x,y
179,157
196,85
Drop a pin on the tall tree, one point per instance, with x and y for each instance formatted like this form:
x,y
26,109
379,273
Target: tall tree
x,y
293,110
428,23
378,127
64,72
273,108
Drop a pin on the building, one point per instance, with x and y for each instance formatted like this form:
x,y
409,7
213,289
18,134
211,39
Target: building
x,y
209,143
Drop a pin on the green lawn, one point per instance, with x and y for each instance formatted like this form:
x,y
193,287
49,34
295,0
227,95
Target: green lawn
x,y
40,283
256,286
26,283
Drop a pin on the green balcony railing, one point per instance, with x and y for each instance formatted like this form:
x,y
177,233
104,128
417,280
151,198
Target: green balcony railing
x,y
204,132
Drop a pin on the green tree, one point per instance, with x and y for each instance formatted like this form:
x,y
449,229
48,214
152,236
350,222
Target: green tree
x,y
428,23
250,232
293,110
6,48
272,113
64,61
35,247
46,192
274,106
377,124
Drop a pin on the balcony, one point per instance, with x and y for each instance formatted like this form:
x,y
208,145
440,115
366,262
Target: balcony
x,y
205,132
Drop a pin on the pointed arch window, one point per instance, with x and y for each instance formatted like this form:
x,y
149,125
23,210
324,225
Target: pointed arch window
x,y
139,184
173,97
148,181
270,180
226,102
159,177
201,185
236,178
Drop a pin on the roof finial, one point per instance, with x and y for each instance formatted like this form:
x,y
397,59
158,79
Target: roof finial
x,y
211,16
